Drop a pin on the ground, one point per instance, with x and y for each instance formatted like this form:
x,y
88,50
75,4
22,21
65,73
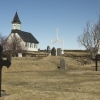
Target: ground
x,y
37,78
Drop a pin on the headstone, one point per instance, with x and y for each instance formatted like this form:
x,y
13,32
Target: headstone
x,y
19,54
53,51
62,63
48,48
58,51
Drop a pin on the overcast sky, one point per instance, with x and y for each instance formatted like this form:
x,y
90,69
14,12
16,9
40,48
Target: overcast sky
x,y
43,17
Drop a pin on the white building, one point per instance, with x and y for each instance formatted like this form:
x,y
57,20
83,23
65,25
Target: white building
x,y
28,40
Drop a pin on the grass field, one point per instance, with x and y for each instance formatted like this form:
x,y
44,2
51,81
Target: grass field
x,y
36,78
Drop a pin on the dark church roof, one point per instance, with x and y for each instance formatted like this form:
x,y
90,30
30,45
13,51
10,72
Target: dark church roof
x,y
16,19
26,36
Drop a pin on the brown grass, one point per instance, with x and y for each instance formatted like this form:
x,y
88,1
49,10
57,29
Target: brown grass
x,y
36,78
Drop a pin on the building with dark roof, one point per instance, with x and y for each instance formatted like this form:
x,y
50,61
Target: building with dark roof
x,y
28,40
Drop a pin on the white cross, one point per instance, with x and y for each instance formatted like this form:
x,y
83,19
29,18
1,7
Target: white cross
x,y
57,30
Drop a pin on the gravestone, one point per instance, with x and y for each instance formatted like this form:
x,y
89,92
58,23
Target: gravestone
x,y
19,54
48,48
53,51
62,63
58,51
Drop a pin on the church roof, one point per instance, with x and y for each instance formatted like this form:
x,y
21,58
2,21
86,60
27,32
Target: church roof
x,y
16,19
26,36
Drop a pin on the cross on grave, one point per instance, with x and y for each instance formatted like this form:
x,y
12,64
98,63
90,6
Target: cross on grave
x,y
6,63
97,57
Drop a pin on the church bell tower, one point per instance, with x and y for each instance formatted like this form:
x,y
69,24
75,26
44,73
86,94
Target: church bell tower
x,y
16,23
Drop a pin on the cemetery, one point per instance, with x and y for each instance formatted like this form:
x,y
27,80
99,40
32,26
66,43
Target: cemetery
x,y
50,74
39,78
38,61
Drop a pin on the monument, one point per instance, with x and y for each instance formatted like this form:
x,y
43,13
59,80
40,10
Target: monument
x,y
53,51
58,51
19,54
62,63
57,40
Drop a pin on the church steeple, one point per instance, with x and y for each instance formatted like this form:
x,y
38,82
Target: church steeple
x,y
16,22
16,19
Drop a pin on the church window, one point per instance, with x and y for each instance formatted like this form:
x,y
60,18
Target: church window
x,y
34,45
25,44
30,45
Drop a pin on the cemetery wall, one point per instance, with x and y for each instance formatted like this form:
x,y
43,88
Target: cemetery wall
x,y
76,51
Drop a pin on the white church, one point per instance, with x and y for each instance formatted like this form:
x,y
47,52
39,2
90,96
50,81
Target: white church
x,y
28,40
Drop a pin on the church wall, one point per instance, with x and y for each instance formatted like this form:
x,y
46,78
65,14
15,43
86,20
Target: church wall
x,y
30,46
16,25
11,38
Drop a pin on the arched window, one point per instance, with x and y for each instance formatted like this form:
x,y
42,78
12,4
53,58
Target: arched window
x,y
35,45
25,44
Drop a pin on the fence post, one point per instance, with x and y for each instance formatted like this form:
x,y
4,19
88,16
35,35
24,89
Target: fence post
x,y
96,62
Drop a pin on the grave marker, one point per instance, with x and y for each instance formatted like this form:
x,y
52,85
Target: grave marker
x,y
97,57
58,51
62,63
53,51
6,63
48,48
19,54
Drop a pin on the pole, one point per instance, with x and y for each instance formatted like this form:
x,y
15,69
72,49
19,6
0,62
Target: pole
x,y
0,82
96,62
0,79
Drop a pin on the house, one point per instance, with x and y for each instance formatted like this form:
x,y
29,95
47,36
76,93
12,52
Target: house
x,y
28,41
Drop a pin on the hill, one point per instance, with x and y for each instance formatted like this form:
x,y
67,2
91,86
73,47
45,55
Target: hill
x,y
36,78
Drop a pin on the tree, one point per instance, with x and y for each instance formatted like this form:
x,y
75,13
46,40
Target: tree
x,y
90,37
14,44
2,39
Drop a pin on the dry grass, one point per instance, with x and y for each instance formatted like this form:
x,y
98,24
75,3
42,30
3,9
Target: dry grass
x,y
39,79
75,53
